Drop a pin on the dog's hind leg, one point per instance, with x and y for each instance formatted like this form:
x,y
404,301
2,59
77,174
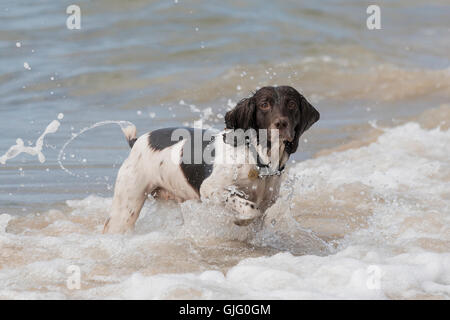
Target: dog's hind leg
x,y
130,193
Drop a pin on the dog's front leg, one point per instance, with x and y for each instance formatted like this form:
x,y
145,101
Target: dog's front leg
x,y
245,211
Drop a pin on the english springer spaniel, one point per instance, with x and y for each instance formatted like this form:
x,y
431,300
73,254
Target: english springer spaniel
x,y
240,167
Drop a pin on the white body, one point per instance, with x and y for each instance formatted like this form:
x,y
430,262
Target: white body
x,y
158,172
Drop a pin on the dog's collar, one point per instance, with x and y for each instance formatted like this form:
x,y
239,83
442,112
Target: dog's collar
x,y
263,169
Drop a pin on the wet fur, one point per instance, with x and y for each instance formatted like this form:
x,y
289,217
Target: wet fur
x,y
149,169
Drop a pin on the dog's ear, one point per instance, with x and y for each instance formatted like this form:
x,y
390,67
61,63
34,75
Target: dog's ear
x,y
242,116
308,116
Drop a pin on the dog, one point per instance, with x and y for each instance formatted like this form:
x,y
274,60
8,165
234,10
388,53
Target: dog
x,y
243,171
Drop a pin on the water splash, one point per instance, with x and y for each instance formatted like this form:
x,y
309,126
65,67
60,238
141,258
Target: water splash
x,y
19,147
124,125
281,231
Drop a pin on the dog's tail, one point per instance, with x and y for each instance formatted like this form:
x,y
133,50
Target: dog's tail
x,y
130,134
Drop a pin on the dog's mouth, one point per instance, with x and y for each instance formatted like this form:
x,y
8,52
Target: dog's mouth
x,y
286,140
286,136
288,145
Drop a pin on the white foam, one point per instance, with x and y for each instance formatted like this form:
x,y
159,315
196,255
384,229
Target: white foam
x,y
371,222
4,219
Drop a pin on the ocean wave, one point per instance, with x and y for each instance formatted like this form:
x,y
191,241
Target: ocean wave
x,y
370,221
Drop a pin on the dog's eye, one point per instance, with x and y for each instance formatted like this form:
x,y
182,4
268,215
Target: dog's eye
x,y
265,106
292,105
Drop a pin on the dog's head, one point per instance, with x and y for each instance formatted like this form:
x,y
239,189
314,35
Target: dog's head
x,y
282,108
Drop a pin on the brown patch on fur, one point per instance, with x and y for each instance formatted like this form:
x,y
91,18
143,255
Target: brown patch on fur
x,y
162,194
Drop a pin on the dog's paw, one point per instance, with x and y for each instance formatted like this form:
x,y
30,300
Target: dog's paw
x,y
245,211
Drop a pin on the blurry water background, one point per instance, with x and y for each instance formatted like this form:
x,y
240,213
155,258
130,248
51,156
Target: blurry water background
x,y
170,63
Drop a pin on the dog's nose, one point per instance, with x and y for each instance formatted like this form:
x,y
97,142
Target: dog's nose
x,y
281,123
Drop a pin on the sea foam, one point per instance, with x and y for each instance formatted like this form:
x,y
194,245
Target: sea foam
x,y
369,222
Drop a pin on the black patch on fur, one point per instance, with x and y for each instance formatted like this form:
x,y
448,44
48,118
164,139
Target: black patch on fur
x,y
195,173
161,138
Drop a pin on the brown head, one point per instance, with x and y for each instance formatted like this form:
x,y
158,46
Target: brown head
x,y
282,108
